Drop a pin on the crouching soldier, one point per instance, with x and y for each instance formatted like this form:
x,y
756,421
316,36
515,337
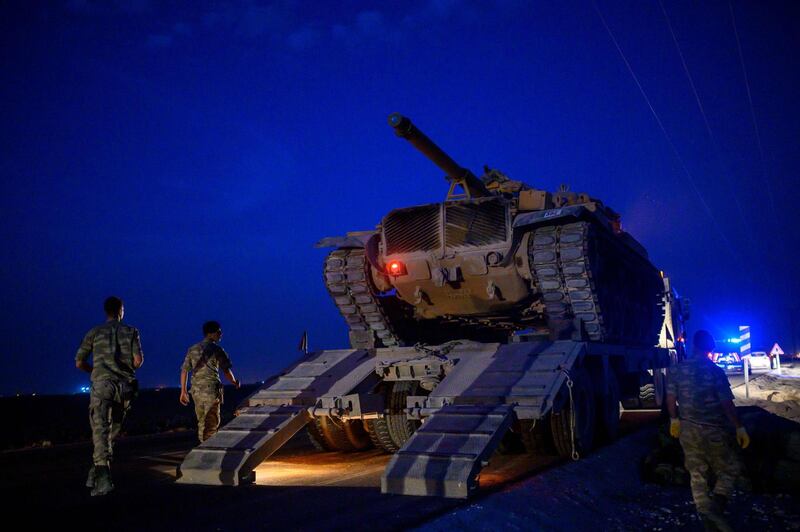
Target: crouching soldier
x,y
116,353
204,360
707,414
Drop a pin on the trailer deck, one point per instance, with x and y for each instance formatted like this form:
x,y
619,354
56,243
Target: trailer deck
x,y
478,391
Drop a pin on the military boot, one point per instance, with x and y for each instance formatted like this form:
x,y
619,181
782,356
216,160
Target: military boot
x,y
719,503
90,478
716,515
708,524
102,481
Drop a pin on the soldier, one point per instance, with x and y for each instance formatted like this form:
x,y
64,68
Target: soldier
x,y
204,360
116,353
701,390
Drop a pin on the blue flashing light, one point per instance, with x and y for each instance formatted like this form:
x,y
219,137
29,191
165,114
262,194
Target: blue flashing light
x,y
85,389
733,340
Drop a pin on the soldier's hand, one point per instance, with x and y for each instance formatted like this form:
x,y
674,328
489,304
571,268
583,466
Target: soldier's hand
x,y
742,437
675,427
184,398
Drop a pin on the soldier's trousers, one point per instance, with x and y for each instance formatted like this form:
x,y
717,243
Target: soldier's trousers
x,y
207,408
709,450
107,408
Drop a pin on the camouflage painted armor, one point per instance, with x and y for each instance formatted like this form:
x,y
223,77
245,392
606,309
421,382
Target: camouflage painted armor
x,y
204,360
112,346
706,436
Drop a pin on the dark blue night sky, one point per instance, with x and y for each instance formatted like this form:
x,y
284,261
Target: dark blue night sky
x,y
187,158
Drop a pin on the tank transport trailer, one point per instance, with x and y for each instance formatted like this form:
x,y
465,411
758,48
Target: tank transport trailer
x,y
505,313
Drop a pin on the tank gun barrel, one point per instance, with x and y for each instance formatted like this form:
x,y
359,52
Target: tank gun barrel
x,y
404,128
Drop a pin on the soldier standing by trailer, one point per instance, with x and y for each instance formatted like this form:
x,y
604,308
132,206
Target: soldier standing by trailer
x,y
204,360
701,390
116,353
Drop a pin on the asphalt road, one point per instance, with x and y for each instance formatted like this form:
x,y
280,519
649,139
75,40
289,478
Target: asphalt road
x,y
298,488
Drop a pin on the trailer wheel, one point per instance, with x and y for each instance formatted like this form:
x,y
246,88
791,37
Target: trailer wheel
x,y
400,427
344,436
584,406
378,431
357,435
316,437
536,436
609,412
651,393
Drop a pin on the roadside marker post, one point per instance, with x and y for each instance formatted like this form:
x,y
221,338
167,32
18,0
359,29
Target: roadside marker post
x,y
747,377
776,353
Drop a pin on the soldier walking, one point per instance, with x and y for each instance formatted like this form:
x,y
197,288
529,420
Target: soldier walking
x,y
116,354
204,360
701,390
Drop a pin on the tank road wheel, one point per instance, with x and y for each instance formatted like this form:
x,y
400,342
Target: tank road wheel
x,y
345,436
583,403
400,427
608,410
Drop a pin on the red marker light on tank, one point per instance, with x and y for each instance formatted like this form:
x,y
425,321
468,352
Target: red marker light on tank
x,y
396,268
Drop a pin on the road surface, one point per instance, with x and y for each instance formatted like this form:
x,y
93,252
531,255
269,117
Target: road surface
x,y
298,488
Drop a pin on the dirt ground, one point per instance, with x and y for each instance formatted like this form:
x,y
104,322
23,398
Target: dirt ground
x,y
604,491
774,392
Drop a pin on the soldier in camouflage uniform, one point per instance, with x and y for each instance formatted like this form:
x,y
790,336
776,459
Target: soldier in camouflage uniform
x,y
204,360
116,353
701,390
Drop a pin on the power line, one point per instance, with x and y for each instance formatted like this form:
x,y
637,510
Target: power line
x,y
764,174
715,145
675,151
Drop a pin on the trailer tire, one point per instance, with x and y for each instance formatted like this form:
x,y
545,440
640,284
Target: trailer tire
x,y
560,422
357,435
400,427
378,430
537,436
343,436
316,437
609,411
651,394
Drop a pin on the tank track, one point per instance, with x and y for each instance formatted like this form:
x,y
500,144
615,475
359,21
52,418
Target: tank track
x,y
347,278
583,272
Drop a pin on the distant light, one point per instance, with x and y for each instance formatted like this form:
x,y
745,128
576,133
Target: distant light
x,y
85,389
734,340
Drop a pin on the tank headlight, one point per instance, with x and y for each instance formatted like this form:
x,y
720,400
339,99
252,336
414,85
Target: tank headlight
x,y
396,268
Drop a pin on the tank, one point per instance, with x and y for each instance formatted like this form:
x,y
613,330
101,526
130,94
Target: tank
x,y
504,316
497,257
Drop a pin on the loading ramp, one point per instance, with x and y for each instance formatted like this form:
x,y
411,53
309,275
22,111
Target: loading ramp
x,y
271,416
